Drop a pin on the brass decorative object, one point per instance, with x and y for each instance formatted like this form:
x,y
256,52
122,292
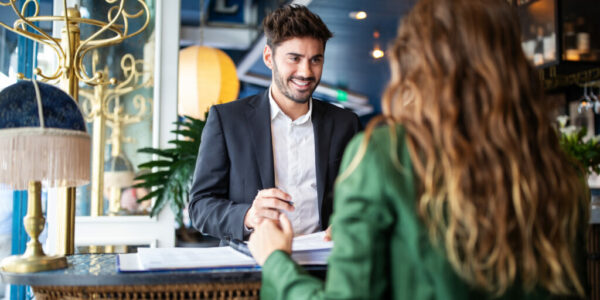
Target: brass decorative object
x,y
70,50
103,106
34,259
48,144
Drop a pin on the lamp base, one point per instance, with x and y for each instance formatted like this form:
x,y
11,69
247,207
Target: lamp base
x,y
34,259
30,264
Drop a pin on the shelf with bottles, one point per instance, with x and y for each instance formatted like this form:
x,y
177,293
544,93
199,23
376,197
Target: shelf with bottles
x,y
555,32
567,74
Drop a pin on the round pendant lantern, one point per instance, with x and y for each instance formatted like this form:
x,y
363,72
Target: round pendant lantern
x,y
207,76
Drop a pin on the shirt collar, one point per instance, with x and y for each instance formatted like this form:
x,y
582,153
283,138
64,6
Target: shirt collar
x,y
275,110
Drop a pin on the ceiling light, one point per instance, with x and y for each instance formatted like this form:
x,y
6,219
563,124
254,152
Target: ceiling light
x,y
358,15
377,53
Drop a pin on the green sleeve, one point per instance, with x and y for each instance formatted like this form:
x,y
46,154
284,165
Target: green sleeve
x,y
358,266
282,278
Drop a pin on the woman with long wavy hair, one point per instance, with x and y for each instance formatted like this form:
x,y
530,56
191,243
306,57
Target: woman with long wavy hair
x,y
464,193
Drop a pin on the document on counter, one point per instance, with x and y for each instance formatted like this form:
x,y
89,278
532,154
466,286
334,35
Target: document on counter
x,y
308,249
311,257
154,259
310,242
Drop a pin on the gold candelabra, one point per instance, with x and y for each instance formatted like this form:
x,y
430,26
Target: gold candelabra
x,y
70,50
97,109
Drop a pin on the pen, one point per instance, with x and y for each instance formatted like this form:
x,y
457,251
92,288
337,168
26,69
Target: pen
x,y
290,202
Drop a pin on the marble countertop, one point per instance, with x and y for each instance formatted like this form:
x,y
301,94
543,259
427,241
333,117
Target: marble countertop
x,y
101,269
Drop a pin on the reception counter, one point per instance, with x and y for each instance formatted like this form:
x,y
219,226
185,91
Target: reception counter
x,y
95,276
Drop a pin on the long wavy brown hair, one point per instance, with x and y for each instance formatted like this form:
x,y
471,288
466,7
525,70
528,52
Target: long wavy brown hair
x,y
495,188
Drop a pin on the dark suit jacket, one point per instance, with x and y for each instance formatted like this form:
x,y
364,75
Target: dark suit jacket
x,y
236,160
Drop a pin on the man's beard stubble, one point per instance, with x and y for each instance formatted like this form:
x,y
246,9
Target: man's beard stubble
x,y
285,90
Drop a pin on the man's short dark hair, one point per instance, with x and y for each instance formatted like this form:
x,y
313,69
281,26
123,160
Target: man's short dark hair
x,y
291,21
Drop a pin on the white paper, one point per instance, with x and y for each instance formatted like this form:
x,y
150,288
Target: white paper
x,y
312,257
312,241
129,262
191,258
308,249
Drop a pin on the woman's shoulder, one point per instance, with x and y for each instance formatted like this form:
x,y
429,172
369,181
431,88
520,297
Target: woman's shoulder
x,y
382,148
381,138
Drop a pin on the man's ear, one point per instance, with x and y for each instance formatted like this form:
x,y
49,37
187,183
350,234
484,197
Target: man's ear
x,y
268,57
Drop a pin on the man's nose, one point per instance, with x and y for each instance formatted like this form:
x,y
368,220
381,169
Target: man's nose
x,y
305,69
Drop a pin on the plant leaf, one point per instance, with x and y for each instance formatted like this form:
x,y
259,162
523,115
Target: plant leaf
x,y
187,133
155,163
151,195
153,176
172,180
166,153
158,204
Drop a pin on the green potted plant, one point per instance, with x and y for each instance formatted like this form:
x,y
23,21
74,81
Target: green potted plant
x,y
169,177
585,152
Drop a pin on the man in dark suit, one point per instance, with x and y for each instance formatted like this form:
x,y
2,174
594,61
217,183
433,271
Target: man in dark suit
x,y
278,151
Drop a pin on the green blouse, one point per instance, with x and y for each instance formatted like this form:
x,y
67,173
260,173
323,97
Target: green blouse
x,y
382,249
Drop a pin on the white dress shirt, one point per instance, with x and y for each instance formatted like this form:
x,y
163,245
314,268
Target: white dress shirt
x,y
295,167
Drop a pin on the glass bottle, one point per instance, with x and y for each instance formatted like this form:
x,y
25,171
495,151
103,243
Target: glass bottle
x,y
529,43
550,43
570,42
538,51
583,38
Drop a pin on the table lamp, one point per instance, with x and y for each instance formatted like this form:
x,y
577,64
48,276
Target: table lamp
x,y
118,174
43,139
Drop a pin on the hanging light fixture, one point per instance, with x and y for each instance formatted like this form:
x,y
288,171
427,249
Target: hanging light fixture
x,y
376,53
207,76
358,15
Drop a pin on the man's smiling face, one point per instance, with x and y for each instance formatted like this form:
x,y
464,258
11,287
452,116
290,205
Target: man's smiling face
x,y
297,65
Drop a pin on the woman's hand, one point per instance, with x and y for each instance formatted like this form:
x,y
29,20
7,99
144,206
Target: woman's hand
x,y
327,236
269,236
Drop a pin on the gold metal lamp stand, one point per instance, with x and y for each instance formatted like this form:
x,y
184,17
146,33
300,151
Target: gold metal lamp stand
x,y
34,259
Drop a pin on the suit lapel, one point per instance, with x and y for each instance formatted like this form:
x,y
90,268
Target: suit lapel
x,y
259,125
322,130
